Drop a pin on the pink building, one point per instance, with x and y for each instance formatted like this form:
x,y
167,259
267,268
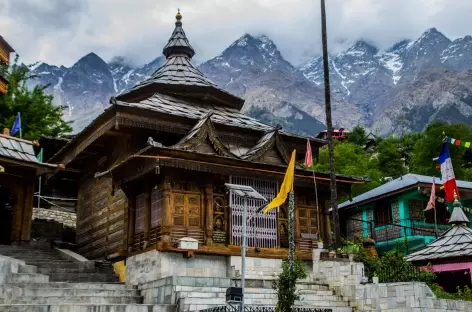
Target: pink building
x,y
450,256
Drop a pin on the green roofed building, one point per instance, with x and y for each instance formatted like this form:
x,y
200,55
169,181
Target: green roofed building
x,y
393,213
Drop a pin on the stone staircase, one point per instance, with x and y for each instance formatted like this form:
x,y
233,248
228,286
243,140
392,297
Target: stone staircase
x,y
50,262
44,281
259,293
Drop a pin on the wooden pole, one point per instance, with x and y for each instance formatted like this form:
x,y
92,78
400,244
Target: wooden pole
x,y
329,124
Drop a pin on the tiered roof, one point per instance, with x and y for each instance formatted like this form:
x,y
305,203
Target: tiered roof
x,y
456,242
178,74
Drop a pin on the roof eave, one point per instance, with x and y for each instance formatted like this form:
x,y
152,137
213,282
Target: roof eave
x,y
368,200
148,90
216,159
7,45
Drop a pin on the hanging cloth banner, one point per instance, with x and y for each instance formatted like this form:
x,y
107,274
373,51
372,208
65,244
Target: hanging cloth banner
x,y
458,142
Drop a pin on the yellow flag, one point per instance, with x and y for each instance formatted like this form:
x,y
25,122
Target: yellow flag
x,y
287,186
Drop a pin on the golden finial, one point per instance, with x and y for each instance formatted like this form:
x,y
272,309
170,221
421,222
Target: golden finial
x,y
178,16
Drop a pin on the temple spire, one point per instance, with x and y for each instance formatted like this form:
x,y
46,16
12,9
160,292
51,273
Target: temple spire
x,y
458,216
178,43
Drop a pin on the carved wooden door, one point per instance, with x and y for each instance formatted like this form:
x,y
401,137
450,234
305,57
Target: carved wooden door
x,y
308,219
187,209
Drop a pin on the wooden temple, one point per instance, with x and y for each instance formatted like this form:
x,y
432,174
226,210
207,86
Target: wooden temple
x,y
153,167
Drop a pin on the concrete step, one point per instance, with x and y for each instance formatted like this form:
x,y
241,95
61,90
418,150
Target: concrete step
x,y
48,292
68,269
51,264
61,285
184,306
73,299
83,277
27,269
28,278
87,308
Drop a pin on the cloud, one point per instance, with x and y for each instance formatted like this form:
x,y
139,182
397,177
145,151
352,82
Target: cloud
x,y
61,31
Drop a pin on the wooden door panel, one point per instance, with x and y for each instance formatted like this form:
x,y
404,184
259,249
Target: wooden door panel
x,y
193,210
187,209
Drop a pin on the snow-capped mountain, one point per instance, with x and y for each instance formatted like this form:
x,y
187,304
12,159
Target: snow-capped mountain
x,y
371,87
253,68
374,79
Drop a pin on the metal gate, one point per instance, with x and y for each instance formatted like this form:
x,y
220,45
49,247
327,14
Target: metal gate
x,y
262,230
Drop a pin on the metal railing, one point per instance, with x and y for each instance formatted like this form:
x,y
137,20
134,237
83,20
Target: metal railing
x,y
404,273
236,308
383,232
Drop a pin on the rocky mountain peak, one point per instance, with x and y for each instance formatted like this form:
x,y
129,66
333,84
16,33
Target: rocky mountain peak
x,y
399,47
91,61
361,48
432,37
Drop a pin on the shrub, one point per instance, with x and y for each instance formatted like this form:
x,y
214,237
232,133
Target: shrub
x,y
285,285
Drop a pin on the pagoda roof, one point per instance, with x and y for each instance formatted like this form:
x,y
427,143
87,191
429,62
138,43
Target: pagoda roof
x,y
172,105
179,76
456,242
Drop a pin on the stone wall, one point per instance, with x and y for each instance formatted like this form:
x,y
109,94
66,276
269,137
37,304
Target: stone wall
x,y
153,265
68,219
404,297
258,268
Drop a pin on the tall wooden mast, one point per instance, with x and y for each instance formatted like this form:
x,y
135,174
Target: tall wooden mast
x,y
329,124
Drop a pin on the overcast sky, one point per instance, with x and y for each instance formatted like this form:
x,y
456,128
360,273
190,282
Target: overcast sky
x,y
61,31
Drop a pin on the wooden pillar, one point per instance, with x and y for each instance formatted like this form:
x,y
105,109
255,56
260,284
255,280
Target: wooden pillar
x,y
327,239
17,215
209,214
27,209
147,217
166,215
131,216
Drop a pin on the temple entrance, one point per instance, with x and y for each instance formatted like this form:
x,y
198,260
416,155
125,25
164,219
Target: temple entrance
x,y
262,231
6,215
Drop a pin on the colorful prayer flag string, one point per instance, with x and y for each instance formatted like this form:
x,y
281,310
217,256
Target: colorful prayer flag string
x,y
458,142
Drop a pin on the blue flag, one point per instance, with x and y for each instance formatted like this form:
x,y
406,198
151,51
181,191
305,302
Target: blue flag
x,y
16,125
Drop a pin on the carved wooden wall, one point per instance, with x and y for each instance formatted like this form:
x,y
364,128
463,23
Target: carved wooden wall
x,y
101,217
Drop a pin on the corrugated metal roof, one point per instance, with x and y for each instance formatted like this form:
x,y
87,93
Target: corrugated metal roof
x,y
398,184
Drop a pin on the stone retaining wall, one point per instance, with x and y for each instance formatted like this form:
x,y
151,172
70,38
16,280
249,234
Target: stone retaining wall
x,y
68,219
153,265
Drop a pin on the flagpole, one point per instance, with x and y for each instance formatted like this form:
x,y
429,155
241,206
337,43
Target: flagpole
x,y
291,244
40,158
21,133
316,199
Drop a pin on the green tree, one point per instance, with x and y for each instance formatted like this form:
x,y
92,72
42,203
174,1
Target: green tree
x,y
429,146
357,136
38,115
389,157
351,159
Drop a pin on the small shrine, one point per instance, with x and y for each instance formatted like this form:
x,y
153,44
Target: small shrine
x,y
449,256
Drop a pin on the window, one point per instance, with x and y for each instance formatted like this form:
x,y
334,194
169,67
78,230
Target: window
x,y
383,212
156,207
139,217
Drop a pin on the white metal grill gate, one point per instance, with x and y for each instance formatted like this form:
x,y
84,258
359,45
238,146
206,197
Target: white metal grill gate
x,y
262,230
